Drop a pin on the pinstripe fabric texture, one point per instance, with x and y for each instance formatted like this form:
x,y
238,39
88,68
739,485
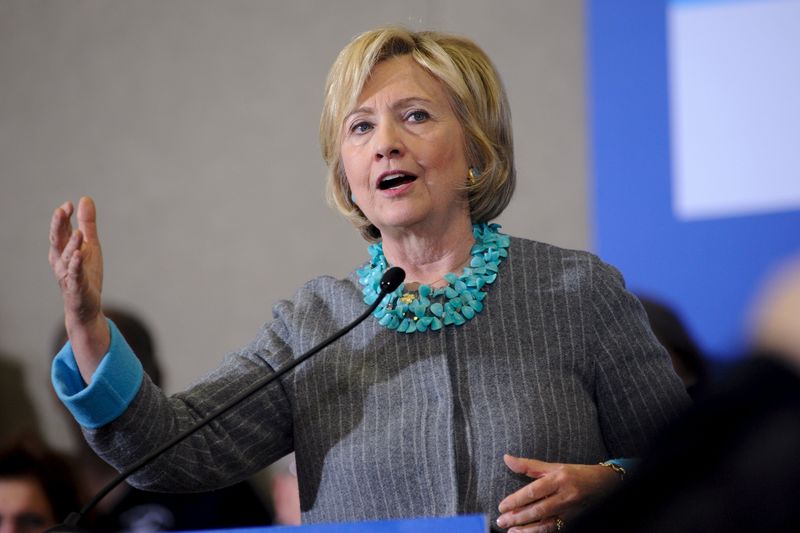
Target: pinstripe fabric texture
x,y
560,366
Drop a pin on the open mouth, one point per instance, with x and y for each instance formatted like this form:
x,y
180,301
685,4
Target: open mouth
x,y
393,181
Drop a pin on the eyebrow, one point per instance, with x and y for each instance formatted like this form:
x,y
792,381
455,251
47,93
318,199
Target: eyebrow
x,y
403,102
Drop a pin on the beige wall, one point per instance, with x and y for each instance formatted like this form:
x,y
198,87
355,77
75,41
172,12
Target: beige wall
x,y
193,124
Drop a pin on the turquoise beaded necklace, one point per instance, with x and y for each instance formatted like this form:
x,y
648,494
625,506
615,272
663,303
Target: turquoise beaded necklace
x,y
429,308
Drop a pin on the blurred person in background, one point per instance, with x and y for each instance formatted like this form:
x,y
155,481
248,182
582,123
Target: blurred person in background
x,y
284,491
687,358
37,486
775,318
17,413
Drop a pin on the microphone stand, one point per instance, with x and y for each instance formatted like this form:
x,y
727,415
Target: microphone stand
x,y
391,279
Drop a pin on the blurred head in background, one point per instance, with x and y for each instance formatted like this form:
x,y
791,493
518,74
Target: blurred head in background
x,y
775,317
687,359
37,487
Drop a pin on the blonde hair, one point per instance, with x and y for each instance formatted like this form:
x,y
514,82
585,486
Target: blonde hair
x,y
476,95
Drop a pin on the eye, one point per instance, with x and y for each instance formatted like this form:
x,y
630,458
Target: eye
x,y
30,522
418,116
359,128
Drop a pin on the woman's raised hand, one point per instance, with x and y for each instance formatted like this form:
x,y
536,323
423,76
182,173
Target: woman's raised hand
x,y
77,263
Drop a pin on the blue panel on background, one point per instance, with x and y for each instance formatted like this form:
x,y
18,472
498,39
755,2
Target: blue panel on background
x,y
455,524
707,269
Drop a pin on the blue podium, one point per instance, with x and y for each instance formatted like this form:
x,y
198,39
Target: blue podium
x,y
455,524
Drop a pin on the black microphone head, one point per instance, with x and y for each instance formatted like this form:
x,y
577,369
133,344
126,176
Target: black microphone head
x,y
392,279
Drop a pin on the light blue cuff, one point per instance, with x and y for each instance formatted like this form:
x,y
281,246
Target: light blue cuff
x,y
627,464
114,384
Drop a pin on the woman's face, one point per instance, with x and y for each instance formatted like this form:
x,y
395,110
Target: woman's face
x,y
403,150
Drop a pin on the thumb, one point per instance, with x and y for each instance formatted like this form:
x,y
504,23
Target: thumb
x,y
87,219
529,467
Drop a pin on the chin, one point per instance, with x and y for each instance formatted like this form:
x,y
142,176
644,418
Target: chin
x,y
400,221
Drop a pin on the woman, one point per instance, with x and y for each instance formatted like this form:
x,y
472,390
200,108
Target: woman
x,y
495,350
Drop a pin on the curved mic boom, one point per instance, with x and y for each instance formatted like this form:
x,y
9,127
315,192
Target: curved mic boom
x,y
391,279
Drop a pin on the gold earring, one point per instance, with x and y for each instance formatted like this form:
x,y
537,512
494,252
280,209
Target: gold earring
x,y
473,176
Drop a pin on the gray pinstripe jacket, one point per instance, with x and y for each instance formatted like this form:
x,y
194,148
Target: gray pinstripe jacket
x,y
561,366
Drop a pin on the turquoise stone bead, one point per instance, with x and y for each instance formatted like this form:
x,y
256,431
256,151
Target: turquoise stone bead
x,y
394,323
404,325
385,320
437,309
421,326
436,324
450,292
477,261
424,291
427,320
468,312
448,319
491,267
477,306
490,279
460,286
480,296
458,319
450,277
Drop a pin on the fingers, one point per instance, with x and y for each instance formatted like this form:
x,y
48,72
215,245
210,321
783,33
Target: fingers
x,y
534,507
563,490
60,231
73,244
530,493
544,526
64,263
539,515
74,270
529,467
87,218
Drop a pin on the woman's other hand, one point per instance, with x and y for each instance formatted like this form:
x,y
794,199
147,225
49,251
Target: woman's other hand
x,y
77,262
558,493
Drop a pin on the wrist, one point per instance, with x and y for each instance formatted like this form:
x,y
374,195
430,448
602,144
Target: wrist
x,y
90,342
616,467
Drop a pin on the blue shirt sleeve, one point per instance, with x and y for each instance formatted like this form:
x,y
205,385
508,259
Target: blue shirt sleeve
x,y
114,384
627,463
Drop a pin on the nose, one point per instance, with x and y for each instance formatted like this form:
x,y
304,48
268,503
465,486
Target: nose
x,y
388,142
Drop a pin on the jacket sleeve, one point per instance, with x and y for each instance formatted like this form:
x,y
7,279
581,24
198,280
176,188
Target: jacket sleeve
x,y
637,390
240,442
114,384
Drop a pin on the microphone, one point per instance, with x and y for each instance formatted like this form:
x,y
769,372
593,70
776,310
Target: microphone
x,y
391,279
